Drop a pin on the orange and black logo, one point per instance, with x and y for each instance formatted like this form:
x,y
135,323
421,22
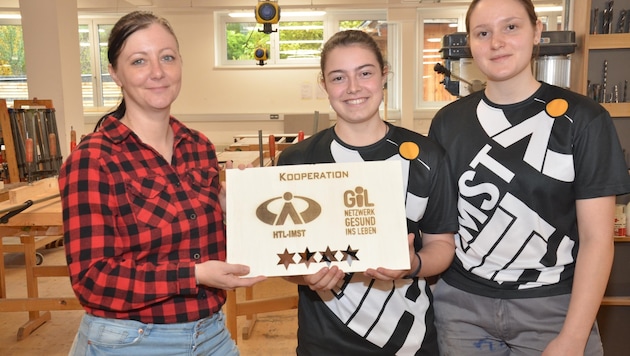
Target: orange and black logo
x,y
277,214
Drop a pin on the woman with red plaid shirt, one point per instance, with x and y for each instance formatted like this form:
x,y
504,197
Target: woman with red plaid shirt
x,y
143,219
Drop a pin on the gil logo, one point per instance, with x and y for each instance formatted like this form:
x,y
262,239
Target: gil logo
x,y
276,214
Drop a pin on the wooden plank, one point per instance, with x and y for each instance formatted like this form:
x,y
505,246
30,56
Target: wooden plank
x,y
3,283
9,144
229,309
46,103
250,319
609,41
36,190
266,305
617,109
30,304
32,290
13,244
620,301
25,330
50,271
47,213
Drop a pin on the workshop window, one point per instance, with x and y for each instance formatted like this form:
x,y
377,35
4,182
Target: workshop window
x,y
296,39
300,40
13,83
97,87
435,24
384,34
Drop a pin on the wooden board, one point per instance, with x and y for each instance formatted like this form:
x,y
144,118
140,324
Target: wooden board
x,y
9,144
36,190
45,103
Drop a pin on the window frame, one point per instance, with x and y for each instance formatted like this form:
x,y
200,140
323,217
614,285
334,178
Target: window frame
x,y
458,13
222,18
393,60
15,22
330,21
331,24
93,24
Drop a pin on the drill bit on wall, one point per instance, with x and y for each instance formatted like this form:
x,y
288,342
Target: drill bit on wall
x,y
594,21
602,98
607,19
621,23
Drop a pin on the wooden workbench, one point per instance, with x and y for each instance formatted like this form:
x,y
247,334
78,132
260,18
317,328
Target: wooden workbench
x,y
25,233
44,219
251,305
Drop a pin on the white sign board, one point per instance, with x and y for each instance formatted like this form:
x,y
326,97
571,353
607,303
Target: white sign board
x,y
294,220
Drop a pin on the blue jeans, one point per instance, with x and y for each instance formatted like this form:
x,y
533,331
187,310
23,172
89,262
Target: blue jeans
x,y
470,324
102,336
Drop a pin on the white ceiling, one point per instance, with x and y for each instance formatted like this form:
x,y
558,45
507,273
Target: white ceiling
x,y
119,5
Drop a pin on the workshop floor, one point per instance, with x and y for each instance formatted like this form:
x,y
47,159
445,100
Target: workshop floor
x,y
273,334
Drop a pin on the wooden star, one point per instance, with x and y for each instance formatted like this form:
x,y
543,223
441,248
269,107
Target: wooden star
x,y
307,257
328,255
286,258
349,255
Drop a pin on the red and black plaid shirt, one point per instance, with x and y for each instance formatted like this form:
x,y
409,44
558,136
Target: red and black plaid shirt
x,y
135,225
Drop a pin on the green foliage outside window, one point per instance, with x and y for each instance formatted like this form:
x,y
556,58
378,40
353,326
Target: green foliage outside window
x,y
301,39
11,51
347,25
243,38
103,36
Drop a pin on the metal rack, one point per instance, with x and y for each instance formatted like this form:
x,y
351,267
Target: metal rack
x,y
31,140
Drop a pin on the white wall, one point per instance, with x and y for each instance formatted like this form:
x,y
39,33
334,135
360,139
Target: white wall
x,y
257,89
224,102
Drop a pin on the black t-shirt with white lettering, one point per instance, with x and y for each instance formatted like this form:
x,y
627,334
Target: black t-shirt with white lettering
x,y
519,169
362,316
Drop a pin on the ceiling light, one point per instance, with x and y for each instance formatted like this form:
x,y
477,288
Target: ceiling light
x,y
284,14
10,16
548,8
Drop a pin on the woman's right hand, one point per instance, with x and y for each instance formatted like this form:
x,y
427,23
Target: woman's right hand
x,y
223,275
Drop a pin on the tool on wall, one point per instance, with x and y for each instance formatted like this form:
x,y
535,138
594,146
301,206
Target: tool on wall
x,y
260,149
607,18
73,139
602,21
272,149
473,86
603,93
594,21
622,22
604,81
35,138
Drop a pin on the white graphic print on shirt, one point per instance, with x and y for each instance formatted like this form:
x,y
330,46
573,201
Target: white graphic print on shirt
x,y
370,307
515,235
